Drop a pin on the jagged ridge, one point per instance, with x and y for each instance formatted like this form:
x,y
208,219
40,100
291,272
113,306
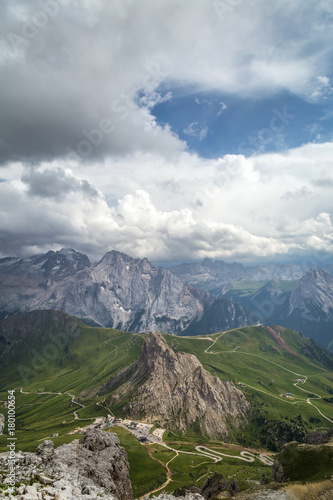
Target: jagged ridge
x,y
118,291
175,390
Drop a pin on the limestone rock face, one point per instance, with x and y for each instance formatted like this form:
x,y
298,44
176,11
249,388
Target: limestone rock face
x,y
175,390
309,308
312,297
2,423
97,468
45,450
118,291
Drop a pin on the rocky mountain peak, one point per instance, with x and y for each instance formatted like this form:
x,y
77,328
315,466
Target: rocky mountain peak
x,y
316,288
113,257
118,291
173,389
157,357
154,346
317,274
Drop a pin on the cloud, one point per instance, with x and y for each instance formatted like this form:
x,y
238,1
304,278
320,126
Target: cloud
x,y
298,194
84,162
55,183
320,88
324,181
64,74
223,107
229,208
134,226
198,132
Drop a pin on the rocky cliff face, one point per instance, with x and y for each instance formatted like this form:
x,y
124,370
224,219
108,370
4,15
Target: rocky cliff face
x,y
119,292
30,283
97,468
312,297
175,390
309,308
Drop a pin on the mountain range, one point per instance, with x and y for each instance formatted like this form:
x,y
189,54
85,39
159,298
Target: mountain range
x,y
283,294
118,291
135,295
217,276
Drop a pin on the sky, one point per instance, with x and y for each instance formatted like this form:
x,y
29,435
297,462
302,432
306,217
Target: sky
x,y
166,129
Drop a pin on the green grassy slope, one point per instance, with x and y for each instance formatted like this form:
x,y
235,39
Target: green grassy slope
x,y
308,462
87,359
90,357
250,356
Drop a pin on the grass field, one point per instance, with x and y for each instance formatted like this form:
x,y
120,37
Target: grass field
x,y
247,355
145,473
185,469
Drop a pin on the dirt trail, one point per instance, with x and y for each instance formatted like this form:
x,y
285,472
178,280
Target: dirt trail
x,y
165,467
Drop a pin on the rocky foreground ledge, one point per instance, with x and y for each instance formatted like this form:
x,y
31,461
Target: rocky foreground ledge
x,y
96,468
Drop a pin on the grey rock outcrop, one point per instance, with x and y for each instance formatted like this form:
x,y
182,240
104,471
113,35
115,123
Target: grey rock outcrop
x,y
118,291
45,450
175,390
96,468
2,423
217,483
277,471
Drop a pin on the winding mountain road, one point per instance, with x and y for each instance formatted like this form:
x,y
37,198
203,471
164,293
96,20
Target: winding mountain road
x,y
296,384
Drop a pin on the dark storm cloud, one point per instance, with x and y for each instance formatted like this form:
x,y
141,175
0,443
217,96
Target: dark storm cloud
x,y
55,184
72,71
65,89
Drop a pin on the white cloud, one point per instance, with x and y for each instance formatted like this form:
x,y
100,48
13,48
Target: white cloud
x,y
194,129
188,209
223,107
133,186
298,194
110,61
320,88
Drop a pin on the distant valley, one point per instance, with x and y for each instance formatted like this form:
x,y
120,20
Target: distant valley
x,y
280,294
